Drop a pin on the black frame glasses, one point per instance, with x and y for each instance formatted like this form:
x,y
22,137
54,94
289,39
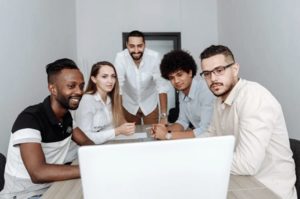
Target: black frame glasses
x,y
217,71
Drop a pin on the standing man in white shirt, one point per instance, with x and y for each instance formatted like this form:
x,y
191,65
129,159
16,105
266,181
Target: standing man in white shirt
x,y
251,113
140,81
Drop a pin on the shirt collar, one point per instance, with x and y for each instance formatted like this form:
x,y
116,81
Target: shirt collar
x,y
234,92
98,98
192,92
50,114
143,57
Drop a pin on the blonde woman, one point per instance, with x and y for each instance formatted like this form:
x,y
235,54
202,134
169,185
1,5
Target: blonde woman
x,y
100,114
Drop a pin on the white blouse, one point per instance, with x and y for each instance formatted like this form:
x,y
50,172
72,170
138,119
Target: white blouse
x,y
94,118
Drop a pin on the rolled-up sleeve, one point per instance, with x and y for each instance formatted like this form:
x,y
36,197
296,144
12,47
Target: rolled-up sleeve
x,y
182,117
206,111
162,85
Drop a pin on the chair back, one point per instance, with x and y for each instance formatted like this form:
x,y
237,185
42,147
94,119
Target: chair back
x,y
2,167
295,146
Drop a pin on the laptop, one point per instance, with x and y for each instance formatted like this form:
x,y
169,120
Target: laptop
x,y
177,169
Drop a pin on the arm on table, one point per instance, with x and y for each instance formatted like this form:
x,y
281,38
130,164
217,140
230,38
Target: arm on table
x,y
80,138
42,172
160,131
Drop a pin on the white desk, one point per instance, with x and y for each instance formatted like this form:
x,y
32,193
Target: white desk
x,y
240,187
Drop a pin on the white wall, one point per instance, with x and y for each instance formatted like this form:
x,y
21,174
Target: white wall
x,y
100,25
264,36
33,33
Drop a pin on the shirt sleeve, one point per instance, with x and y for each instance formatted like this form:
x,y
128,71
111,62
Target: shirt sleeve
x,y
101,136
84,117
256,117
26,136
211,130
162,85
26,130
206,111
182,117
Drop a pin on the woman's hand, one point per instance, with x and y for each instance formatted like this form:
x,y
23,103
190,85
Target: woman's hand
x,y
125,129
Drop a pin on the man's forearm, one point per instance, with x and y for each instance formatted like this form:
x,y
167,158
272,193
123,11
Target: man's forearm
x,y
163,100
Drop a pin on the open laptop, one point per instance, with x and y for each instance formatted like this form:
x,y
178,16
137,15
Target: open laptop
x,y
177,169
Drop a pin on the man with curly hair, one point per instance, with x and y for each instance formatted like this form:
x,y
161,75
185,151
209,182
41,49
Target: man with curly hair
x,y
195,99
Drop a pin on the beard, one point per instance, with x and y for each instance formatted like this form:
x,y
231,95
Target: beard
x,y
65,101
225,92
137,58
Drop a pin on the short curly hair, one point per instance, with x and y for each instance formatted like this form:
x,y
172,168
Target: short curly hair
x,y
177,60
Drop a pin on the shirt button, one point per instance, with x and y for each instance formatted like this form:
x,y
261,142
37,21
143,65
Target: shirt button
x,y
223,106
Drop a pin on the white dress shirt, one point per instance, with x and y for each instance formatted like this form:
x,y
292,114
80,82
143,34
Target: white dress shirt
x,y
262,149
94,118
141,85
196,107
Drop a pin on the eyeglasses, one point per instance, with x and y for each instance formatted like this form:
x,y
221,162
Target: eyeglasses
x,y
220,70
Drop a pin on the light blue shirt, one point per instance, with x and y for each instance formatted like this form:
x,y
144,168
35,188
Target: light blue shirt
x,y
196,107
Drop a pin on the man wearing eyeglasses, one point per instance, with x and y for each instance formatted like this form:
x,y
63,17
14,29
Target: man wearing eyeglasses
x,y
250,112
195,99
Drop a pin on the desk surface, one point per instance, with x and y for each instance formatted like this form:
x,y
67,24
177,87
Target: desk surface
x,y
240,187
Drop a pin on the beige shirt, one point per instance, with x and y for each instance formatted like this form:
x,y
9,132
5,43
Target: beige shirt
x,y
262,148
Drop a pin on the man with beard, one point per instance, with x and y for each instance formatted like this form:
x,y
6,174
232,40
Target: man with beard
x,y
250,113
140,82
195,99
41,136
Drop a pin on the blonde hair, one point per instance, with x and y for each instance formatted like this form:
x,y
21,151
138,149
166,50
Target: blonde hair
x,y
117,111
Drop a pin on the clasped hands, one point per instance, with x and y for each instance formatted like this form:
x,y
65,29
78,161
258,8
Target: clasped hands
x,y
159,131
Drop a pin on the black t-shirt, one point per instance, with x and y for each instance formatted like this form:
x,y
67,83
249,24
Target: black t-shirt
x,y
41,117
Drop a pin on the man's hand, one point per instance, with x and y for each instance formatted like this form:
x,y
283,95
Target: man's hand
x,y
159,131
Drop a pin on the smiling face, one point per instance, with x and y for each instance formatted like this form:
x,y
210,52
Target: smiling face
x,y
105,79
181,80
67,88
220,85
136,47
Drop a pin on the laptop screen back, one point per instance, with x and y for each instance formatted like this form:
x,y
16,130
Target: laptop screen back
x,y
177,169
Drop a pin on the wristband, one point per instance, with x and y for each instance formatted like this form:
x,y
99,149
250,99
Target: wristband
x,y
163,115
169,135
